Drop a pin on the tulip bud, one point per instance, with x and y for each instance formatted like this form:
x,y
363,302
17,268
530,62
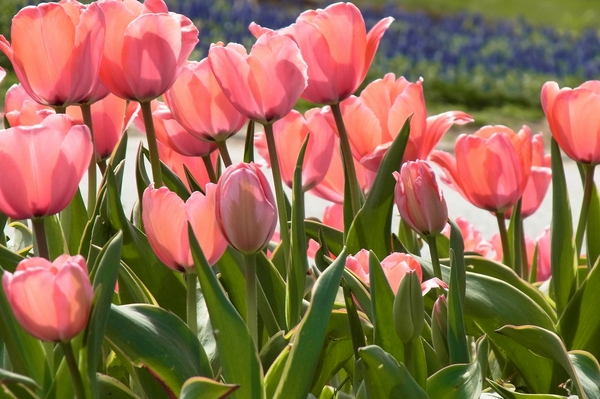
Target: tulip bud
x,y
245,206
52,301
439,329
408,308
419,199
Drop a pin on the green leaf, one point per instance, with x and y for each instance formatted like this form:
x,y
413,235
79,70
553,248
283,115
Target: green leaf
x,y
232,278
310,335
458,246
593,234
204,388
457,337
22,241
587,369
10,377
237,352
9,260
373,223
275,373
109,387
151,337
73,220
333,236
273,286
506,393
385,378
54,235
456,381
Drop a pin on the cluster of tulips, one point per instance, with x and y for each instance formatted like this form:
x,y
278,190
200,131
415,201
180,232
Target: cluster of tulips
x,y
320,308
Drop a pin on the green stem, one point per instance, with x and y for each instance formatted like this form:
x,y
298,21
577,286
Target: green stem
x,y
507,259
86,110
524,260
102,166
251,307
152,145
347,158
222,146
210,170
73,369
435,258
192,301
588,188
41,245
279,194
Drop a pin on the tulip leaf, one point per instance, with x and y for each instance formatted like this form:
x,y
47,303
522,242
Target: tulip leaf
x,y
109,387
506,393
457,337
333,236
120,152
385,377
273,286
310,334
373,223
204,388
272,349
458,246
249,143
593,234
360,290
588,370
55,237
456,381
170,179
275,372
237,351
73,220
153,338
8,259
562,244
131,288
22,241
232,278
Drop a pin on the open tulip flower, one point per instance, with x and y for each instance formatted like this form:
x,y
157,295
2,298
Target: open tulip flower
x,y
60,68
51,300
21,109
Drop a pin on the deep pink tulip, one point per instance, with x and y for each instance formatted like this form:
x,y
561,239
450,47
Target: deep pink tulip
x,y
419,199
491,168
265,85
51,301
146,48
246,209
200,106
374,119
165,216
574,119
21,109
195,165
56,51
46,164
337,48
289,133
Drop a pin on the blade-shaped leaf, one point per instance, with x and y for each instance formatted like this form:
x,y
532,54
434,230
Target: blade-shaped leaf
x,y
73,220
457,337
587,369
112,388
204,388
506,393
456,381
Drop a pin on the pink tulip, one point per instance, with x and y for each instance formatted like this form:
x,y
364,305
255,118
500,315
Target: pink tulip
x,y
473,240
544,266
289,134
56,51
46,164
51,301
335,45
165,216
574,120
265,85
146,48
334,216
200,106
491,168
246,210
22,110
374,119
419,200
195,165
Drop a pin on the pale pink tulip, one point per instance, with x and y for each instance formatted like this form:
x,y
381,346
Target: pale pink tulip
x,y
470,234
574,119
419,199
21,109
200,106
334,216
265,85
491,168
46,164
195,165
146,48
246,209
56,51
544,266
289,133
51,301
337,48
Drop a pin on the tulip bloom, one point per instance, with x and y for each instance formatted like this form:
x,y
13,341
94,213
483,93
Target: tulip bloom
x,y
491,168
200,106
335,45
375,118
56,51
46,164
21,109
289,133
246,210
574,119
334,216
146,48
419,200
264,85
544,267
51,301
165,216
179,163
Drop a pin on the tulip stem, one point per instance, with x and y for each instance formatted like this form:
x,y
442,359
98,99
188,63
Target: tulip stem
x,y
152,144
222,146
347,158
41,244
588,188
524,260
435,258
192,301
251,307
210,170
102,166
86,110
279,194
73,369
506,258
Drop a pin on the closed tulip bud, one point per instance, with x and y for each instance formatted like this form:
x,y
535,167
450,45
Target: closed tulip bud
x,y
245,206
419,199
51,301
408,311
439,329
